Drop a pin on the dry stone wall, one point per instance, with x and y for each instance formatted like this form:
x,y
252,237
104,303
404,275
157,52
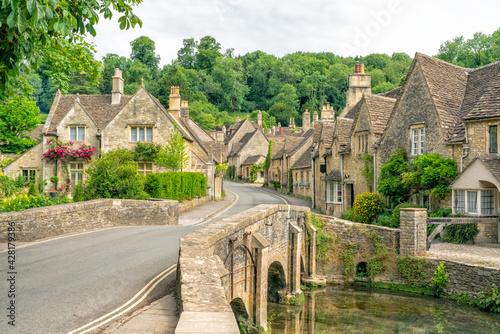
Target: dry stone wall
x,y
39,223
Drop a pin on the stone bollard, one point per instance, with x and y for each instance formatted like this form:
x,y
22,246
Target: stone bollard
x,y
413,235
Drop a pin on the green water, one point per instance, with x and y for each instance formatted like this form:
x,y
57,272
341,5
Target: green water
x,y
354,310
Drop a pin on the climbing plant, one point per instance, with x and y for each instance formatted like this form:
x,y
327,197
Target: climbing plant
x,y
413,269
367,169
347,256
323,240
377,263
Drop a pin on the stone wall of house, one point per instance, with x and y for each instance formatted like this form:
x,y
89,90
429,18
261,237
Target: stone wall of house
x,y
31,159
357,236
39,223
320,183
479,138
414,108
302,179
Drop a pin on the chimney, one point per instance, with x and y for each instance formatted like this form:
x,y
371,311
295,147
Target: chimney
x,y
362,68
184,109
325,113
281,131
359,85
315,116
306,120
356,67
117,91
175,102
237,119
274,131
259,119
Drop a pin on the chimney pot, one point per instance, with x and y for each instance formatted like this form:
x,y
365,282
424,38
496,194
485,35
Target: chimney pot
x,y
361,68
356,67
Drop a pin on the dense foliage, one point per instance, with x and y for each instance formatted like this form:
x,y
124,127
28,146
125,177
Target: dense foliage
x,y
390,182
23,202
146,151
175,154
176,185
367,206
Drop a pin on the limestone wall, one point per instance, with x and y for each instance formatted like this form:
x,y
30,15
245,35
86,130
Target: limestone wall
x,y
39,223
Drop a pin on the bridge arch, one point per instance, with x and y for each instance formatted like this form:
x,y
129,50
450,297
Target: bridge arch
x,y
239,309
276,281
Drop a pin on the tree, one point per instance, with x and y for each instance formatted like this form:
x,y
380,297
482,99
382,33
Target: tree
x,y
143,50
228,72
175,154
283,112
390,182
186,56
18,115
31,29
208,53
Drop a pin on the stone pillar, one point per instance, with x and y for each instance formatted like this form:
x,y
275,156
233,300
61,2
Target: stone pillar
x,y
261,247
295,242
312,252
413,226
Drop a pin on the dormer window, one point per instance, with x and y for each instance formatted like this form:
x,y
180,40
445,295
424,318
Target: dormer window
x,y
77,133
362,143
141,133
417,140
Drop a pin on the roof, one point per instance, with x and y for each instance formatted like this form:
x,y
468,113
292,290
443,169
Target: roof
x,y
237,147
277,150
344,126
304,161
204,139
252,160
303,139
98,107
334,175
492,162
36,134
392,93
380,109
327,134
317,128
447,83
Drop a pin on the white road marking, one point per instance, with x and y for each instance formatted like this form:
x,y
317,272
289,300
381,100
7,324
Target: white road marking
x,y
135,300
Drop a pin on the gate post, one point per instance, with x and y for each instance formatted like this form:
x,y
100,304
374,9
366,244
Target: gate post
x,y
296,241
413,235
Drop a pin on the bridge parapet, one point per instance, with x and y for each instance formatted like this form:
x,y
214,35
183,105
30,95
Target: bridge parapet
x,y
230,259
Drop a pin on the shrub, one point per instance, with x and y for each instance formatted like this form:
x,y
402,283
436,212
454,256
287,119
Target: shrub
x,y
413,269
461,233
349,215
490,300
146,151
32,189
78,193
176,185
439,280
24,202
367,206
387,219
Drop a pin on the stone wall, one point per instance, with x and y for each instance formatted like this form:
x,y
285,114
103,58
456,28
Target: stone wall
x,y
190,205
39,223
356,235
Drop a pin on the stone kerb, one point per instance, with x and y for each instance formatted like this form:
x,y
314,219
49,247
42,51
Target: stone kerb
x,y
201,274
44,222
413,226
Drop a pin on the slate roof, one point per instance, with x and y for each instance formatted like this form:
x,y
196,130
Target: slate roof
x,y
447,83
318,127
328,130
380,109
277,152
334,175
98,107
344,126
204,139
394,93
304,161
36,134
252,160
304,136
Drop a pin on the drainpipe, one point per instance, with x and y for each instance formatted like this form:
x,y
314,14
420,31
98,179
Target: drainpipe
x,y
466,148
313,182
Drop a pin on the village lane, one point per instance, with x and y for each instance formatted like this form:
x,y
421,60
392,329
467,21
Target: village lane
x,y
67,282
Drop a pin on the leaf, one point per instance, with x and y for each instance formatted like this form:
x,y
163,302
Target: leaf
x,y
30,5
11,20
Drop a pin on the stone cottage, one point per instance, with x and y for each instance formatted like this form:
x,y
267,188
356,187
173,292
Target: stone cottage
x,y
116,120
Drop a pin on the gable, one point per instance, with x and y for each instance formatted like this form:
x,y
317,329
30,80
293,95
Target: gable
x,y
477,175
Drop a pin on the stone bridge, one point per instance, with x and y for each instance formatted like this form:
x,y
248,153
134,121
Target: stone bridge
x,y
226,266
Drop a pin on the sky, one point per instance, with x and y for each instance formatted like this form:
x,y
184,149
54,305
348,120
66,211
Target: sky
x,y
279,27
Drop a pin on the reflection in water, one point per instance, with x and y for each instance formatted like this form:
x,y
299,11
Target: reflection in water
x,y
355,310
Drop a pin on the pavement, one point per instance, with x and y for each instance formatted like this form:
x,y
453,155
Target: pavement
x,y
487,255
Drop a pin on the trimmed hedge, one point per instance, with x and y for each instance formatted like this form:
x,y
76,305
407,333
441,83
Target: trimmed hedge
x,y
176,185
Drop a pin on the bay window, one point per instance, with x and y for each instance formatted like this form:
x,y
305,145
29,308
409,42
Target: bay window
x,y
474,201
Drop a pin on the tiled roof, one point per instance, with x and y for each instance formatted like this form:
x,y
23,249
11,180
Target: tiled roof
x,y
98,107
380,109
237,147
328,129
304,161
354,111
334,175
447,83
304,137
292,144
277,151
492,162
36,134
318,126
344,126
252,160
204,139
392,93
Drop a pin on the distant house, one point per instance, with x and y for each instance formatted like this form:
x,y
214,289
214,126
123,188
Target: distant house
x,y
116,120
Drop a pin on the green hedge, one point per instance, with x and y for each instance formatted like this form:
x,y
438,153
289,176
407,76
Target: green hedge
x,y
176,185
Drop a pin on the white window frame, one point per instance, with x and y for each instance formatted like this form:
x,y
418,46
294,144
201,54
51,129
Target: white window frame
x,y
479,208
417,140
79,133
143,138
332,189
76,173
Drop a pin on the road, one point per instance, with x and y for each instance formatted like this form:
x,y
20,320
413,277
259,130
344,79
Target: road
x,y
67,282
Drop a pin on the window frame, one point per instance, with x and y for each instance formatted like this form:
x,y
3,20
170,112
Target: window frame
x,y
80,131
29,177
417,135
147,133
490,149
144,171
479,206
335,187
78,171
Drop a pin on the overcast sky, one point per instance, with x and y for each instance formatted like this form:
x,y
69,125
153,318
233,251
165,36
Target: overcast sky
x,y
278,27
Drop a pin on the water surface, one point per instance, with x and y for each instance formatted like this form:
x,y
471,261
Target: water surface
x,y
357,310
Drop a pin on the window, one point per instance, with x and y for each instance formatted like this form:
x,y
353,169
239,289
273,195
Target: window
x,y
76,173
302,176
144,168
334,192
487,202
493,139
362,143
77,133
417,141
307,180
261,174
141,133
481,201
29,175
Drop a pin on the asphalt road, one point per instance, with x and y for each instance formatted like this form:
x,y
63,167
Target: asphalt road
x,y
68,282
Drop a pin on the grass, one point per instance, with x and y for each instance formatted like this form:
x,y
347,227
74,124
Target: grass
x,y
43,117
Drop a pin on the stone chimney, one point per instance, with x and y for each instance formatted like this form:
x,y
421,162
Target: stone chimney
x,y
306,120
184,109
117,91
274,131
237,119
259,119
292,122
325,114
281,131
315,116
175,102
359,84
